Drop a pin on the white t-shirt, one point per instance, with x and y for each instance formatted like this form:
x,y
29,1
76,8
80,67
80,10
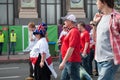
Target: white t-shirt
x,y
41,47
103,46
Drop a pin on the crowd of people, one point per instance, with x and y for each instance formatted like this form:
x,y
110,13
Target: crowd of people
x,y
78,47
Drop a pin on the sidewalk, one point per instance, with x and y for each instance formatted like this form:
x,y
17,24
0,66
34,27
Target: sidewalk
x,y
19,57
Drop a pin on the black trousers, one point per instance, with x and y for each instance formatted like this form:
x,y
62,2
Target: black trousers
x,y
1,46
31,69
42,73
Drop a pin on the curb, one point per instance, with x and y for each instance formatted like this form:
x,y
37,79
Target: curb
x,y
15,60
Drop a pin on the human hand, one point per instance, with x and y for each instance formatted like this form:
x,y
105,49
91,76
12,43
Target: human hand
x,y
84,55
41,64
61,66
31,39
97,17
59,42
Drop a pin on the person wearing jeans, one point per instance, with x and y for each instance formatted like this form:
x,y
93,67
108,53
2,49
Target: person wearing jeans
x,y
85,45
107,36
72,69
70,49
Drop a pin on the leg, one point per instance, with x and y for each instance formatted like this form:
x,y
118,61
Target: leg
x,y
90,59
41,73
60,57
37,69
64,74
36,72
96,68
45,73
1,45
107,70
14,44
85,63
31,69
73,70
10,47
0,48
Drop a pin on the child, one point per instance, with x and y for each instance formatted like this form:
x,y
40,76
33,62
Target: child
x,y
40,56
33,41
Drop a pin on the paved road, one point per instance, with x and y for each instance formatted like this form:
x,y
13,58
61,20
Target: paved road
x,y
19,71
13,71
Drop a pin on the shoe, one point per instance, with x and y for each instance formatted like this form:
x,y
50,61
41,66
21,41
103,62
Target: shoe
x,y
29,78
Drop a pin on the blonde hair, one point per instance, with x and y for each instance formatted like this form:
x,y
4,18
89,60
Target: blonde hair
x,y
31,25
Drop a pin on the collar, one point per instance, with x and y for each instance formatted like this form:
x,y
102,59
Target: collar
x,y
114,12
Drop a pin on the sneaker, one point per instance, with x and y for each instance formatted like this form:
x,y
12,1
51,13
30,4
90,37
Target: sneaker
x,y
29,78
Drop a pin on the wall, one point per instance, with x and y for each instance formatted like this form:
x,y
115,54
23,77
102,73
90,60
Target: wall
x,y
22,36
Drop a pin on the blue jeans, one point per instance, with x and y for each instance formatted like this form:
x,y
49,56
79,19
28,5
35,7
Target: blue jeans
x,y
12,47
85,63
107,70
71,71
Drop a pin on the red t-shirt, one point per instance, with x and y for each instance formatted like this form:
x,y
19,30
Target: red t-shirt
x,y
72,39
85,37
62,38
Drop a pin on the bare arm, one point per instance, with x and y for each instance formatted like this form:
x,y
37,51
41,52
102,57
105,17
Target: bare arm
x,y
94,33
86,47
43,57
94,23
67,56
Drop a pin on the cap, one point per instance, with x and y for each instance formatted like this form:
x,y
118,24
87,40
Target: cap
x,y
70,17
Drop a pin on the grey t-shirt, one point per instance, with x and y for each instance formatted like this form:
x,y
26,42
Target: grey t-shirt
x,y
103,46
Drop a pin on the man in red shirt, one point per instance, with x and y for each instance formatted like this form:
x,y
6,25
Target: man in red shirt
x,y
85,42
70,51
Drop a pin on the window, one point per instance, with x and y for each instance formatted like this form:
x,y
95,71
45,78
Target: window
x,y
3,1
49,11
51,14
6,12
3,13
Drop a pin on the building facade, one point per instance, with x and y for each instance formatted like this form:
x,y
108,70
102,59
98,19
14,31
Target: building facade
x,y
17,12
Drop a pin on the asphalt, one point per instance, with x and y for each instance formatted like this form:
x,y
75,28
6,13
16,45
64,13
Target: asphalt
x,y
18,58
24,57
